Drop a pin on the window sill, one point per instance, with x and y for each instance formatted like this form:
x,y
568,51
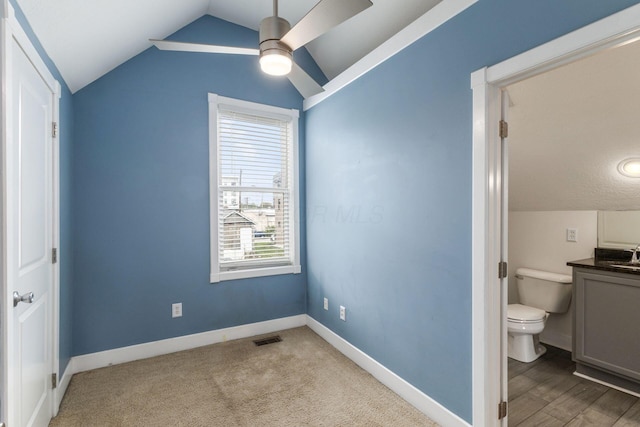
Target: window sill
x,y
254,272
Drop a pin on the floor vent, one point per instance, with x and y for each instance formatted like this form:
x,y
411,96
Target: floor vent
x,y
269,340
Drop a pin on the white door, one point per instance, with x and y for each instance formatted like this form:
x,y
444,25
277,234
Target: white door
x,y
29,164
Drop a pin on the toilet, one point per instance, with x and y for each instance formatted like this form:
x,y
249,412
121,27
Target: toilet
x,y
540,293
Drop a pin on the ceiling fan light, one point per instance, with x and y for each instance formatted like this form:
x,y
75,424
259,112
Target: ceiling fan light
x,y
630,167
275,63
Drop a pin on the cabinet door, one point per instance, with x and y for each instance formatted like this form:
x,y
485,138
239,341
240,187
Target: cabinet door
x,y
607,322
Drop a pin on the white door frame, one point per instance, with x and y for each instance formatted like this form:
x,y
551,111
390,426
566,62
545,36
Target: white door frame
x,y
487,84
10,29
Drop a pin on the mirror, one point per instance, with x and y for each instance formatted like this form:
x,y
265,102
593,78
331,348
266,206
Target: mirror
x,y
618,229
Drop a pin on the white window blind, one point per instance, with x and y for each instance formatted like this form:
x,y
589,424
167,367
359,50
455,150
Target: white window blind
x,y
254,193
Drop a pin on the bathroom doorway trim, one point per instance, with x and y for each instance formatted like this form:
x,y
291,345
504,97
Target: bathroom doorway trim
x,y
489,216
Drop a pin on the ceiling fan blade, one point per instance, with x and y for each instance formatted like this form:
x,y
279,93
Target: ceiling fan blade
x,y
204,48
324,16
303,82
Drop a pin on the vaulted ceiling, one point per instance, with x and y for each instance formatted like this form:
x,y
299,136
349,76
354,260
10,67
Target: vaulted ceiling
x,y
568,131
87,39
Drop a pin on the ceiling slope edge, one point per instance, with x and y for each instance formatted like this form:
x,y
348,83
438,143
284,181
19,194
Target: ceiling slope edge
x,y
419,28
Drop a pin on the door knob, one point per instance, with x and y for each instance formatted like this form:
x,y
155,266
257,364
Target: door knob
x,y
17,298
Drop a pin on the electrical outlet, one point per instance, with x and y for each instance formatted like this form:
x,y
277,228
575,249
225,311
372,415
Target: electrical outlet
x,y
343,313
572,234
326,303
176,309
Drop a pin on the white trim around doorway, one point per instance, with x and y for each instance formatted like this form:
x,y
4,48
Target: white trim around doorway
x,y
10,28
487,83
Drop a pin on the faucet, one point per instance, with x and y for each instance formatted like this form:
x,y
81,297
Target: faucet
x,y
634,257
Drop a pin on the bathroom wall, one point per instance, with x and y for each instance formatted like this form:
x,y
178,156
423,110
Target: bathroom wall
x,y
538,240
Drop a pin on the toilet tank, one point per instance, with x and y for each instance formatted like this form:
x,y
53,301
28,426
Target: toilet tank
x,y
550,292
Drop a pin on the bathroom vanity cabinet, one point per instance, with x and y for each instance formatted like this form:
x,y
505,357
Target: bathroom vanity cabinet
x,y
606,339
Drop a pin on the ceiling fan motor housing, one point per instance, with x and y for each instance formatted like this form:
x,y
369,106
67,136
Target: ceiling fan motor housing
x,y
272,29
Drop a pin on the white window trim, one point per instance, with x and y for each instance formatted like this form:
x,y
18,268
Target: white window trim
x,y
294,232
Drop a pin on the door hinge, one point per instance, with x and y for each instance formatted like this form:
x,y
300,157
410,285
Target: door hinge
x,y
54,129
54,380
54,255
504,129
502,270
502,410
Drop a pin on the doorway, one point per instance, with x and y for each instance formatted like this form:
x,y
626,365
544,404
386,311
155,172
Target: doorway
x,y
489,248
30,230
568,130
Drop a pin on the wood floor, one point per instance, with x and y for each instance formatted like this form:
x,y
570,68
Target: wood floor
x,y
546,393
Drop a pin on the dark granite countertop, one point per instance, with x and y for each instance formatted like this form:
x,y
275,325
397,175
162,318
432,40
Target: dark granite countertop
x,y
608,260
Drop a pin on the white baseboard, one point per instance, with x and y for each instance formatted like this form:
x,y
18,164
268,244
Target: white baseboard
x,y
116,356
595,380
415,397
63,384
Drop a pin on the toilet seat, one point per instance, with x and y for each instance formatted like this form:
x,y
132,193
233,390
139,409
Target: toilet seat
x,y
524,314
524,323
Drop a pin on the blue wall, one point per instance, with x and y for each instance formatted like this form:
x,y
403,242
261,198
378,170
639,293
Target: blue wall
x,y
389,193
65,140
141,196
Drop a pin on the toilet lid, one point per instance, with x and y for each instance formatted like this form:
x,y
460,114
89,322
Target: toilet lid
x,y
523,312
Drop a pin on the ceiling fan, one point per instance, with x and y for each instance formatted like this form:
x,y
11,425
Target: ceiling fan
x,y
278,40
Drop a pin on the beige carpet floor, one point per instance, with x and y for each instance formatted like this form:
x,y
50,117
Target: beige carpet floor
x,y
301,381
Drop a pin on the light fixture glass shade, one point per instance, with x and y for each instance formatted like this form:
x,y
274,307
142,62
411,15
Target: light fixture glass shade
x,y
275,63
630,167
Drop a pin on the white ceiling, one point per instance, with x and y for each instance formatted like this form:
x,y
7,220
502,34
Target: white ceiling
x,y
87,39
569,129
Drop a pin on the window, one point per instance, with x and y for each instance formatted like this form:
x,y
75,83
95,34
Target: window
x,y
253,164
